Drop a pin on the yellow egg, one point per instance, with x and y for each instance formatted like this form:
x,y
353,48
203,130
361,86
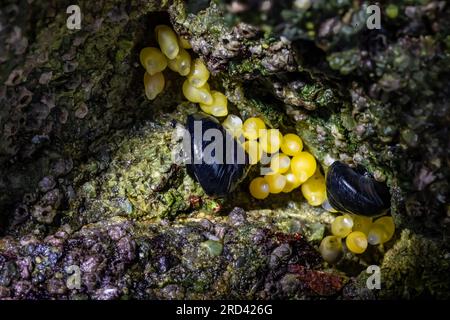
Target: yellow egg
x,y
292,144
342,226
184,43
356,242
197,95
199,74
253,128
276,182
280,163
381,231
361,223
254,151
331,249
152,60
219,106
292,182
233,124
270,140
181,63
303,165
153,85
259,188
314,189
168,41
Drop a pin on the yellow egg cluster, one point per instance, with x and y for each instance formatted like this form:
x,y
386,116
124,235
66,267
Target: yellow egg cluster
x,y
289,168
358,232
172,53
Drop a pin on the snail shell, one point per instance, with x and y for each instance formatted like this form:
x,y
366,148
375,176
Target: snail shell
x,y
226,166
356,191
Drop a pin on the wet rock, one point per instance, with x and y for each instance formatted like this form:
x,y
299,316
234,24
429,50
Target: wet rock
x,y
312,70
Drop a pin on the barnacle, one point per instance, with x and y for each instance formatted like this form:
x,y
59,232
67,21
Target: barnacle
x,y
292,144
276,182
270,140
254,151
303,165
280,163
356,242
381,230
259,188
199,74
181,63
152,60
342,226
168,41
331,249
197,95
314,189
153,84
219,106
234,125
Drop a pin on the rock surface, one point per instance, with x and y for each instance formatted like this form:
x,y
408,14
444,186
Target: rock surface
x,y
92,205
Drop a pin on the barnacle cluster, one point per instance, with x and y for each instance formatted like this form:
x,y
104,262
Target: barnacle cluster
x,y
358,232
173,54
